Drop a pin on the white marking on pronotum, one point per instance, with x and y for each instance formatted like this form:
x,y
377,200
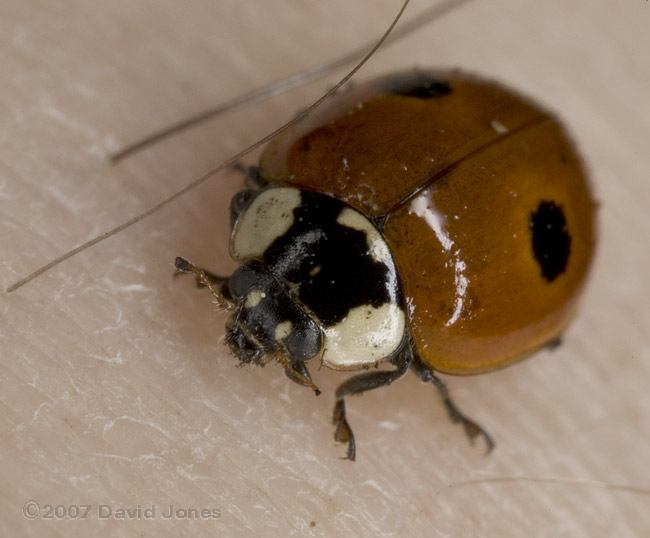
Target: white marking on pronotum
x,y
366,335
269,216
377,246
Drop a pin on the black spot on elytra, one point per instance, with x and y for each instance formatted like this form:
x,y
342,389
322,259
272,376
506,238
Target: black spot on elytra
x,y
550,239
418,85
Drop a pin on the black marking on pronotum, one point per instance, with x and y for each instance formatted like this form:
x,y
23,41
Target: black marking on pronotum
x,y
550,239
331,262
418,85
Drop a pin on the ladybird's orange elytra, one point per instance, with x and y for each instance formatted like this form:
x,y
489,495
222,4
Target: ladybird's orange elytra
x,y
431,219
456,179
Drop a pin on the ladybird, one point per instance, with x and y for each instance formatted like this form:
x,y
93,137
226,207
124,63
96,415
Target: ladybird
x,y
431,220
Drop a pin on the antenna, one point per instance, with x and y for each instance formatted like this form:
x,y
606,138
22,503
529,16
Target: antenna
x,y
440,9
285,84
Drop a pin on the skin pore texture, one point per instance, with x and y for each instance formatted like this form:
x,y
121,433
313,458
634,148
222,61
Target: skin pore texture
x,y
116,386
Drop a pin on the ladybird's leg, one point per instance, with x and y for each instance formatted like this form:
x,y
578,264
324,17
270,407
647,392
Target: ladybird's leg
x,y
217,285
253,176
218,282
358,385
215,280
554,344
254,181
206,278
472,429
297,371
240,201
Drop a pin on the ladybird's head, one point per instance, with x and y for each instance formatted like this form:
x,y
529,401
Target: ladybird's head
x,y
267,320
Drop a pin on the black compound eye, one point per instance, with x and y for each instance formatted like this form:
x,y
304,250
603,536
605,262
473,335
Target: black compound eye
x,y
304,343
551,239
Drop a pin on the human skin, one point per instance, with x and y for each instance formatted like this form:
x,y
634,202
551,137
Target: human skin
x,y
116,387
